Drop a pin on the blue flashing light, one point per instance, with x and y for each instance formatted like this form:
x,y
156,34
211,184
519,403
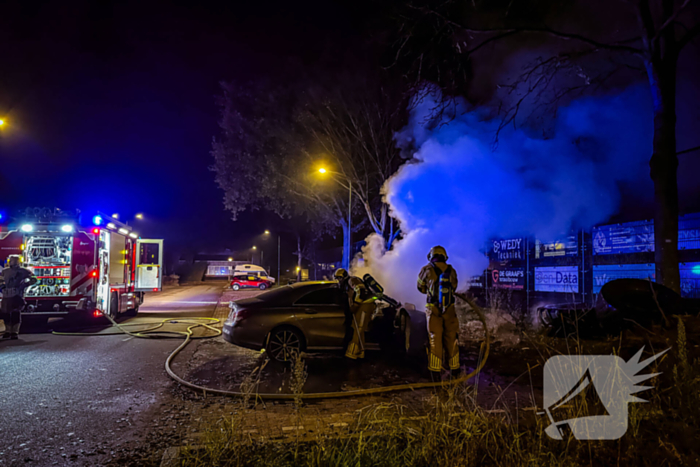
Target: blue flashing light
x,y
696,269
97,220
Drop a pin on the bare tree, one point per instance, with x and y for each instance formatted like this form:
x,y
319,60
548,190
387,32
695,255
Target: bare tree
x,y
274,140
441,42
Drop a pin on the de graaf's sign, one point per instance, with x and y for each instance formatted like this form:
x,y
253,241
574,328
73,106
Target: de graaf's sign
x,y
557,279
508,278
512,248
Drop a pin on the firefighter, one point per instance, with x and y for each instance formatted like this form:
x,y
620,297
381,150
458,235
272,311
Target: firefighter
x,y
13,280
438,280
361,304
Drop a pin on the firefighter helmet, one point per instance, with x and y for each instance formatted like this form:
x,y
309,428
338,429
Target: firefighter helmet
x,y
435,251
340,274
13,260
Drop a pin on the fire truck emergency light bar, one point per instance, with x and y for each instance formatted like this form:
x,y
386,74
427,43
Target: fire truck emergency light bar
x,y
113,224
46,216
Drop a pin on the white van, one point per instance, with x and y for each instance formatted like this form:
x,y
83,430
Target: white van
x,y
244,269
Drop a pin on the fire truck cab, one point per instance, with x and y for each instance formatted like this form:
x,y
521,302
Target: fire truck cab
x,y
96,267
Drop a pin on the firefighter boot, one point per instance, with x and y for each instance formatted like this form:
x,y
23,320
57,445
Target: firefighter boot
x,y
449,338
435,337
360,318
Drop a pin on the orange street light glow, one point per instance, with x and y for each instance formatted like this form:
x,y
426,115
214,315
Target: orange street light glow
x,y
322,170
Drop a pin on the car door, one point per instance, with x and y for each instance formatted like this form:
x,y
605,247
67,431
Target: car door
x,y
251,281
322,318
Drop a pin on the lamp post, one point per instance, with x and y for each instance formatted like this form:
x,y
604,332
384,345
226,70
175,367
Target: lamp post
x,y
267,232
323,170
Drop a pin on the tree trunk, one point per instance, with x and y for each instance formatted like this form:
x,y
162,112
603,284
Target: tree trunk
x,y
346,244
664,171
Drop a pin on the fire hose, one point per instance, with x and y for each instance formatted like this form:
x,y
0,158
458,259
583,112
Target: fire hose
x,y
193,324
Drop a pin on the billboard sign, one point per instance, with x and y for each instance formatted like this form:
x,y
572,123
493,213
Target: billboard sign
x,y
690,280
476,282
508,278
557,279
630,237
605,273
689,232
508,249
562,247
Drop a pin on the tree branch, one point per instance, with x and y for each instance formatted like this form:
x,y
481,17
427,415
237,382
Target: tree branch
x,y
505,32
689,36
670,21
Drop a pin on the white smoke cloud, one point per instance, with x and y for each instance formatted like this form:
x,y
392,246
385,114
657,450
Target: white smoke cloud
x,y
460,192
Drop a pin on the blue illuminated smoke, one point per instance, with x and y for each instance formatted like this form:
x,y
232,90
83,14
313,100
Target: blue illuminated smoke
x,y
458,191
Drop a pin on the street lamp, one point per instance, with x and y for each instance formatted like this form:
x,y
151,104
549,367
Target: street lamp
x,y
267,232
139,216
2,122
323,170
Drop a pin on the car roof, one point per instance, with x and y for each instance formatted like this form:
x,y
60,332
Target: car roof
x,y
287,294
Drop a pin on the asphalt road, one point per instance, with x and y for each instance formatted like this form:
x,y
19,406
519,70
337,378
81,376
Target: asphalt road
x,y
72,399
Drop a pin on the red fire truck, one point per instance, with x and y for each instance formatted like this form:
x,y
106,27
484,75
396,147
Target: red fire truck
x,y
96,267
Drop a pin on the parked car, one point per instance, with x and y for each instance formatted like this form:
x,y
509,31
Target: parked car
x,y
243,269
250,280
309,316
260,274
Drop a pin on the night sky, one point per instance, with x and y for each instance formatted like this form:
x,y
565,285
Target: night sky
x,y
112,105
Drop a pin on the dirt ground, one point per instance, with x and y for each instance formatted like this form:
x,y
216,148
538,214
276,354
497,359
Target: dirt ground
x,y
511,381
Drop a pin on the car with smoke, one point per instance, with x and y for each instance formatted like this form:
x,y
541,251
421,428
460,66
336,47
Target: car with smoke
x,y
250,280
310,317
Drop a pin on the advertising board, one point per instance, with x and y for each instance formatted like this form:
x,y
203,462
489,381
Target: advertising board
x,y
689,232
604,274
630,237
508,278
557,279
507,249
690,280
567,246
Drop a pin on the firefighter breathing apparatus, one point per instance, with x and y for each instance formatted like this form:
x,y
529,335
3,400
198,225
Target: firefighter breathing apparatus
x,y
156,331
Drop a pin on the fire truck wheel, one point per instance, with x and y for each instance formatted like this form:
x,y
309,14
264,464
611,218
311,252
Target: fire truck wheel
x,y
114,305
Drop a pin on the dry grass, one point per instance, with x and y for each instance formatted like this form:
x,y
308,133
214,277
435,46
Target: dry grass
x,y
452,430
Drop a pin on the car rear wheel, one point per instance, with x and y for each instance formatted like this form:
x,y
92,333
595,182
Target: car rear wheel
x,y
262,286
284,344
235,286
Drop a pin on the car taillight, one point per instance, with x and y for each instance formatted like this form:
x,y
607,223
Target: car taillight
x,y
240,314
93,274
96,314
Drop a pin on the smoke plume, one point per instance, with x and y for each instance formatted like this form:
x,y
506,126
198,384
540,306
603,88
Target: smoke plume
x,y
460,190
